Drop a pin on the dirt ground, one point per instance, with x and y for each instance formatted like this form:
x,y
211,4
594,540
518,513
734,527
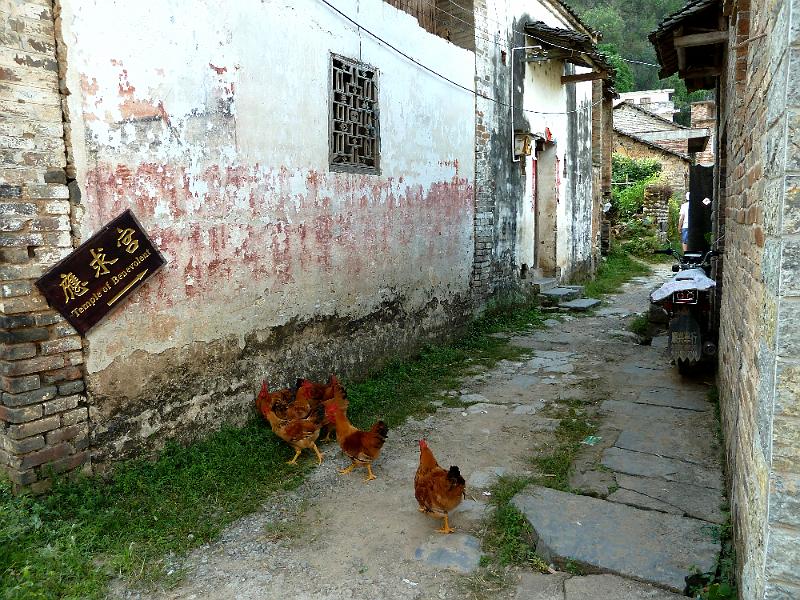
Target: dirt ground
x,y
339,537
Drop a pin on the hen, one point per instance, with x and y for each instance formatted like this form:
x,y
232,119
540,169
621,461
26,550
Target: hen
x,y
362,447
437,491
299,433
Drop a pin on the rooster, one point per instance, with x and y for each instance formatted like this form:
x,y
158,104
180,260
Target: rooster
x,y
437,491
361,446
299,433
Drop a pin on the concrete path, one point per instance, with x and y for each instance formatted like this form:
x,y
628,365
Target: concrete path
x,y
338,538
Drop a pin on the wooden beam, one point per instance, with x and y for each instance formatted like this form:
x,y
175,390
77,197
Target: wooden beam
x,y
584,77
701,39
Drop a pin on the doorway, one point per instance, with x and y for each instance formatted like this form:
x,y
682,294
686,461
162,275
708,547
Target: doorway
x,y
546,210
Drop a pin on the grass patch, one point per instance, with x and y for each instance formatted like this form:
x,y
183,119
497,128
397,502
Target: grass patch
x,y
618,268
554,466
72,542
640,325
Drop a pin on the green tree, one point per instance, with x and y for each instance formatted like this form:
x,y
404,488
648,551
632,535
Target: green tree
x,y
623,81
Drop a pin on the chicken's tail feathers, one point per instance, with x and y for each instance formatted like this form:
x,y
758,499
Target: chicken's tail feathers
x,y
454,476
380,429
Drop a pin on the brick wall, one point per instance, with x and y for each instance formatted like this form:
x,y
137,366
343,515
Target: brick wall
x,y
759,317
674,169
484,197
704,114
43,414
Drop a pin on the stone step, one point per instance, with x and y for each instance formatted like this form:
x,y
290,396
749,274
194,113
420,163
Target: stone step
x,y
559,294
580,304
542,284
654,547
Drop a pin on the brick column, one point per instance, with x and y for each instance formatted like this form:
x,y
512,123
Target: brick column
x,y
484,197
44,426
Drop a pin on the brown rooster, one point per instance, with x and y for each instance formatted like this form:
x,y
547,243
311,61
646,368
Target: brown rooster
x,y
437,491
361,446
299,433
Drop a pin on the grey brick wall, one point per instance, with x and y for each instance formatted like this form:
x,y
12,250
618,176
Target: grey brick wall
x,y
43,416
759,317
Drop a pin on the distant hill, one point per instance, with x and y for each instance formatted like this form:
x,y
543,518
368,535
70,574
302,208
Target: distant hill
x,y
625,25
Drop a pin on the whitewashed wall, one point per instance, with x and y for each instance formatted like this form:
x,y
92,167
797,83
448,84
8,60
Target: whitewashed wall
x,y
210,121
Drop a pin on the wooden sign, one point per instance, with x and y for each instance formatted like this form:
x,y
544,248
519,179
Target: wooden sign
x,y
101,273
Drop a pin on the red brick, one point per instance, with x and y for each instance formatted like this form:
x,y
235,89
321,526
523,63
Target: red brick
x,y
21,477
64,344
67,433
75,416
32,365
61,404
25,430
20,415
24,446
17,351
68,463
61,375
47,455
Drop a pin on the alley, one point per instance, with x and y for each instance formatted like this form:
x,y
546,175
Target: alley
x,y
337,537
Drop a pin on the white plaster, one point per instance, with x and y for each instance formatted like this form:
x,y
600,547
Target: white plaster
x,y
166,56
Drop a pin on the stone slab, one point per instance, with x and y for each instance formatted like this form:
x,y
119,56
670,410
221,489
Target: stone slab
x,y
469,512
485,477
651,546
664,438
691,500
612,312
540,586
686,399
612,587
560,294
456,552
648,412
580,304
631,498
649,465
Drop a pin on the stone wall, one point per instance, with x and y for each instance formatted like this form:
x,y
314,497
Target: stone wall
x,y
656,207
674,168
43,411
760,319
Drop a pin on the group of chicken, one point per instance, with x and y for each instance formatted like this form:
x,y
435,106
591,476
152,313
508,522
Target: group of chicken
x,y
297,415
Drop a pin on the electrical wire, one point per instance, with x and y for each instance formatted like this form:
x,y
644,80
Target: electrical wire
x,y
432,71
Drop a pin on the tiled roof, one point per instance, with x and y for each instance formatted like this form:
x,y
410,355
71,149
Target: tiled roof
x,y
662,37
653,145
568,39
672,124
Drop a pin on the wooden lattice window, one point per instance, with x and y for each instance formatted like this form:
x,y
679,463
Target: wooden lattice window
x,y
354,132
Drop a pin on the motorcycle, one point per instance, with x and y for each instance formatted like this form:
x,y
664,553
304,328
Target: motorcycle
x,y
686,299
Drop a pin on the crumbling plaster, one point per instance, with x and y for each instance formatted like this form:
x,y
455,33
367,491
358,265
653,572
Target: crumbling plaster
x,y
213,126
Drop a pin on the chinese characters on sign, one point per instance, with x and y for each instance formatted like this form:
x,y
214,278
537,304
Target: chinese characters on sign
x,y
86,285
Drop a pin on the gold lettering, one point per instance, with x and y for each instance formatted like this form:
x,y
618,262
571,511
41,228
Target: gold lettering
x,y
72,286
99,263
126,239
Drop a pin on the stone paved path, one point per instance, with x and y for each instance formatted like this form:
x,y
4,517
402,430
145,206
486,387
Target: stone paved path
x,y
337,537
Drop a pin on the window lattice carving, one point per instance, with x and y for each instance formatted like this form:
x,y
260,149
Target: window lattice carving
x,y
354,131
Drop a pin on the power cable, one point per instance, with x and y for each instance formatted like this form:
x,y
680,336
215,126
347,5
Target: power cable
x,y
430,70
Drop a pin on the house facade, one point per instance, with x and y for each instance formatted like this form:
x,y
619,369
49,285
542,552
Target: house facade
x,y
327,197
749,51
